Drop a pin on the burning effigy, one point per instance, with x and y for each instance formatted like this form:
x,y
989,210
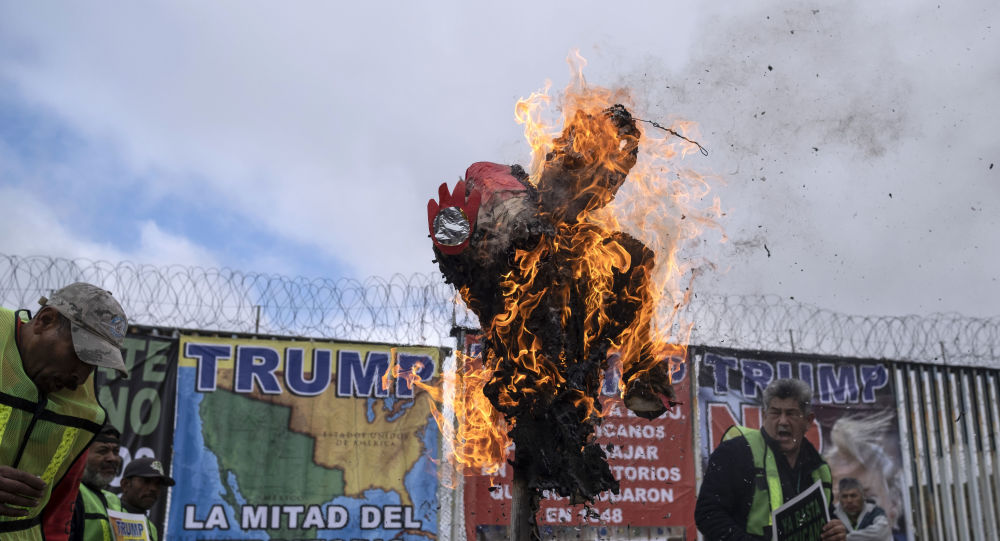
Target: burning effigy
x,y
557,287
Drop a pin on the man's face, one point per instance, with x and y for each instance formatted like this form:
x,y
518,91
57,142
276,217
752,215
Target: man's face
x,y
876,485
785,422
141,492
52,362
851,501
103,464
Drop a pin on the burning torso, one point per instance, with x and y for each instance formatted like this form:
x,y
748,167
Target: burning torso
x,y
555,292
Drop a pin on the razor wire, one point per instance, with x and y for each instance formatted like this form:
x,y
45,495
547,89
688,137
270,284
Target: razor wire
x,y
423,309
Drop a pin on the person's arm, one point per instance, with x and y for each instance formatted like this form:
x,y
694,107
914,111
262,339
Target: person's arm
x,y
57,517
724,490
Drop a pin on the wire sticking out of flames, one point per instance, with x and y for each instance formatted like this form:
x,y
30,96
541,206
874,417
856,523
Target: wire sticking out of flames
x,y
563,268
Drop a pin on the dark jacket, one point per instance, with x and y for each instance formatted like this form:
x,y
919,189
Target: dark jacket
x,y
727,487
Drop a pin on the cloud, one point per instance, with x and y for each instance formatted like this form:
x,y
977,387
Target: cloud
x,y
35,227
308,140
329,126
853,140
158,247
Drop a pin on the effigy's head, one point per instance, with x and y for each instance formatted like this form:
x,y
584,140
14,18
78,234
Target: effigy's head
x,y
486,209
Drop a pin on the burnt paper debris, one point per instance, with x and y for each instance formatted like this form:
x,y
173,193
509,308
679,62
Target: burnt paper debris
x,y
554,292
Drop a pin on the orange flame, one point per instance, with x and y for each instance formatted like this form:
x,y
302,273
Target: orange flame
x,y
662,207
480,432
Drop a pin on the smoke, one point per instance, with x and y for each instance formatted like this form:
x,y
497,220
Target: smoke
x,y
830,129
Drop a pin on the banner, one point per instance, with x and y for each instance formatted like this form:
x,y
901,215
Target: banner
x,y
282,439
652,460
141,407
856,426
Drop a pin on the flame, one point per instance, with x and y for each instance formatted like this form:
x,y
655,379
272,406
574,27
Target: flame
x,y
662,207
480,432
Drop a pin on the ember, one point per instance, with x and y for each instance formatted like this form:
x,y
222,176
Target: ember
x,y
556,288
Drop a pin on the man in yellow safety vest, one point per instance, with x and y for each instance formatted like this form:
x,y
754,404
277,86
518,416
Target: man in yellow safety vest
x,y
103,464
48,408
753,472
143,482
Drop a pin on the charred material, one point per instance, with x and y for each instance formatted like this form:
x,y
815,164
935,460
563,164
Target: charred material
x,y
553,293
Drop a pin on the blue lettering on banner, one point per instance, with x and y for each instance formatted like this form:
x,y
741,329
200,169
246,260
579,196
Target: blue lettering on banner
x,y
837,386
756,375
722,367
784,369
873,378
834,383
806,374
357,378
208,356
257,363
295,374
679,370
129,529
257,367
407,362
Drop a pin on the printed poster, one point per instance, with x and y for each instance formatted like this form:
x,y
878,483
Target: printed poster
x,y
856,427
128,526
802,518
141,406
282,439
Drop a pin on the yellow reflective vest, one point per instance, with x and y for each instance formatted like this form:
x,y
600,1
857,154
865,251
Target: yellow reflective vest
x,y
42,435
96,526
767,495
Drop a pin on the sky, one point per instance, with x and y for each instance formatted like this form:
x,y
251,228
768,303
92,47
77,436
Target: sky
x,y
852,144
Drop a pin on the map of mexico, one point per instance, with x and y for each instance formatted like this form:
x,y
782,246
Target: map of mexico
x,y
299,439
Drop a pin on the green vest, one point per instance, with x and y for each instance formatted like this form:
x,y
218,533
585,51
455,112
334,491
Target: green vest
x,y
153,536
96,526
42,435
767,495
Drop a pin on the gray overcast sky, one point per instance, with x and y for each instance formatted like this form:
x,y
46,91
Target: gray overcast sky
x,y
855,140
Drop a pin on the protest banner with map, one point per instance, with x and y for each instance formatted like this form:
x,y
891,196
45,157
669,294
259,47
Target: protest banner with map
x,y
856,427
283,439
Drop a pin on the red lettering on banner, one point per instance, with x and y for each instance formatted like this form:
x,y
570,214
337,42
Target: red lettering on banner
x,y
751,416
720,418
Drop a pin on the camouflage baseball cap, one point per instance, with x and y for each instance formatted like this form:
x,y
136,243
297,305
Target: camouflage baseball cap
x,y
98,323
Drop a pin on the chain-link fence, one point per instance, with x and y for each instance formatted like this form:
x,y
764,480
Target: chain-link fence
x,y
422,309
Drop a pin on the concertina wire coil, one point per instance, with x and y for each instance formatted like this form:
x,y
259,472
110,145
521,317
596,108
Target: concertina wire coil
x,y
422,309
